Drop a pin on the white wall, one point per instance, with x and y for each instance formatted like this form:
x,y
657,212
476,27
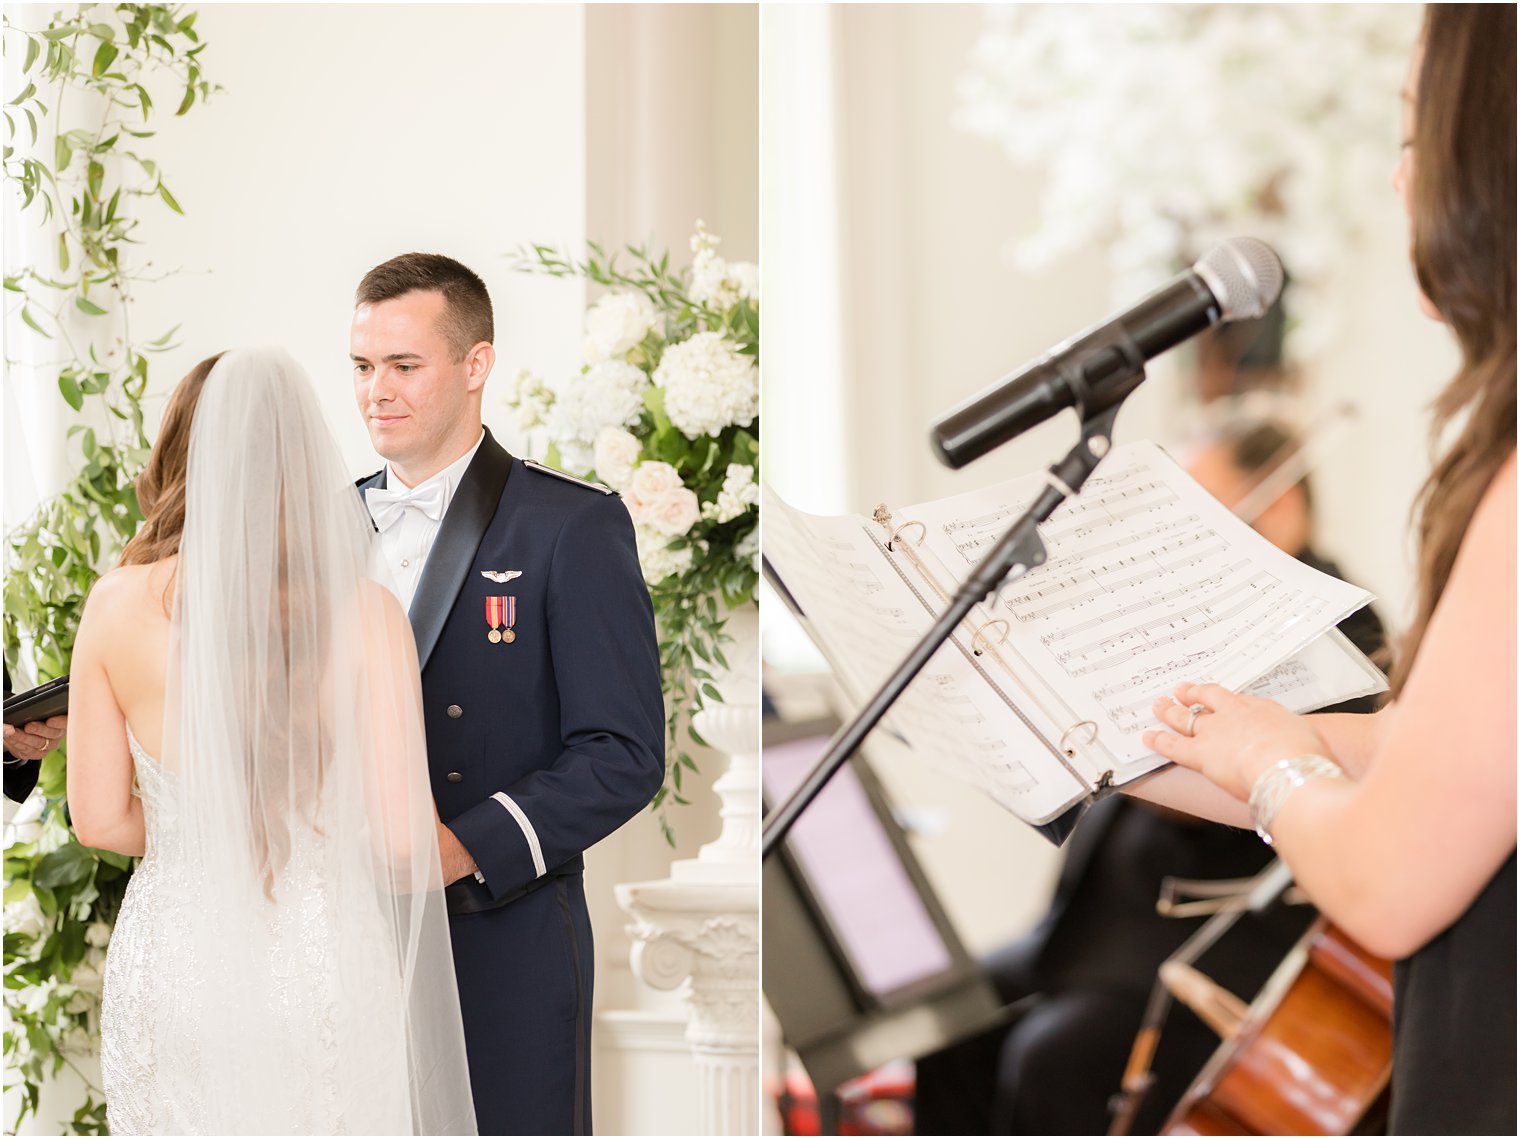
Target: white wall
x,y
348,134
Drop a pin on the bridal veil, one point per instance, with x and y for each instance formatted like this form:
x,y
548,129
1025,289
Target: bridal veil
x,y
318,979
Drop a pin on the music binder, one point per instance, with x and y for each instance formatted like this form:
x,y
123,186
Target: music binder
x,y
1040,696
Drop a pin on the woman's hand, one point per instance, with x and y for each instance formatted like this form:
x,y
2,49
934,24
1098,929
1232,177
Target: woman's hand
x,y
1234,739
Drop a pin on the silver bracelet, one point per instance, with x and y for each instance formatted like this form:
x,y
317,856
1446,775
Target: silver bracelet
x,y
1276,783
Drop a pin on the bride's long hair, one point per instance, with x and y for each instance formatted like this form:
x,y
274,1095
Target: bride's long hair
x,y
161,486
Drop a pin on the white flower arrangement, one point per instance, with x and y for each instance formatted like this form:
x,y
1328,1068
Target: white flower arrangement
x,y
1165,128
664,412
708,385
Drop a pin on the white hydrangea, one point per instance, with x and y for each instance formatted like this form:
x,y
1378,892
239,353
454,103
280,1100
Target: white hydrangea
x,y
739,492
98,935
609,394
530,398
708,385
617,323
656,559
616,451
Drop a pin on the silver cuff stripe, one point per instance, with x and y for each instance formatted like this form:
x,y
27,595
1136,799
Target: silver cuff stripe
x,y
528,832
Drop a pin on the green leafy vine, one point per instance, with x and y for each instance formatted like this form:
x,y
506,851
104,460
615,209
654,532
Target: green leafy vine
x,y
85,186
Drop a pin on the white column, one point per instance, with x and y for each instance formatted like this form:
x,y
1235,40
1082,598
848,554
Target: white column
x,y
700,928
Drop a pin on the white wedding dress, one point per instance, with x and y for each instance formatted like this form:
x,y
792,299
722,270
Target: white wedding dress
x,y
157,1012
280,964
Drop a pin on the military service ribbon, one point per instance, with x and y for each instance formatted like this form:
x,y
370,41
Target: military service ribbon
x,y
501,611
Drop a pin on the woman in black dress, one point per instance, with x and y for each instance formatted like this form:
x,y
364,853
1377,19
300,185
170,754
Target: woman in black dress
x,y
1401,825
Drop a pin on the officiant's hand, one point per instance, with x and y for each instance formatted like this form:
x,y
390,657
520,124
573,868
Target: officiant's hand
x,y
457,861
1234,739
34,740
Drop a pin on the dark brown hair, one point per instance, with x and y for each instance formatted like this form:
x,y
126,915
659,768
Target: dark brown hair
x,y
467,318
1463,208
161,486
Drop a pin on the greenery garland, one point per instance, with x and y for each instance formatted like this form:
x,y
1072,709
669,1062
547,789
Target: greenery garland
x,y
60,897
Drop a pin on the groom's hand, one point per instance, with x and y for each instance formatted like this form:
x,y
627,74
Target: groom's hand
x,y
457,861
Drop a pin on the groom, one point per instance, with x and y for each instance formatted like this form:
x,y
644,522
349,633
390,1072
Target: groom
x,y
540,682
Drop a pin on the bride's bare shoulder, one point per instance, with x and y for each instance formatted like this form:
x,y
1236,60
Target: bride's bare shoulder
x,y
131,593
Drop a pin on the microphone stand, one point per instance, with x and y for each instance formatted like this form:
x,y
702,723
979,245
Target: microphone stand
x,y
1018,551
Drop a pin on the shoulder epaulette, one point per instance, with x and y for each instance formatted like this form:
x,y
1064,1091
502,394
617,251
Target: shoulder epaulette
x,y
535,465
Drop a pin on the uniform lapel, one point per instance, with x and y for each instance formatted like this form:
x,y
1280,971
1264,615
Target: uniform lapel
x,y
459,534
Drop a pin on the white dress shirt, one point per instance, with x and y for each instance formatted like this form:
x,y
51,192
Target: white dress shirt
x,y
406,542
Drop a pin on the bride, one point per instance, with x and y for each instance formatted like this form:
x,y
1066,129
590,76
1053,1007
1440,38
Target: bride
x,y
245,714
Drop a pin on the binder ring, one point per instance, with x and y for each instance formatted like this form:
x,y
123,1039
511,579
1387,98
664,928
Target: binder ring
x,y
1092,734
983,639
922,532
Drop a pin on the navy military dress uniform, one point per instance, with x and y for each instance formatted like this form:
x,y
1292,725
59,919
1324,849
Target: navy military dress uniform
x,y
540,743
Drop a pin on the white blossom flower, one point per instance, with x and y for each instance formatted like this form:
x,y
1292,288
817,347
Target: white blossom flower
x,y
708,385
575,457
675,513
652,481
87,977
26,917
98,935
77,1040
749,547
746,278
616,452
610,394
530,398
29,831
617,323
657,500
81,1001
1162,129
34,998
739,492
656,559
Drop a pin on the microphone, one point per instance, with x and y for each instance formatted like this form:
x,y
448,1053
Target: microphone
x,y
1094,370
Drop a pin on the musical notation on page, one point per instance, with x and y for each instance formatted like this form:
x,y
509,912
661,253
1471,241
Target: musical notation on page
x,y
1148,582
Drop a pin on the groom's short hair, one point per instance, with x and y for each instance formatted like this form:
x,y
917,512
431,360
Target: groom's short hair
x,y
467,318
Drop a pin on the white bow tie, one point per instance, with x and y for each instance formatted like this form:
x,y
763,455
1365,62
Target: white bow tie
x,y
386,506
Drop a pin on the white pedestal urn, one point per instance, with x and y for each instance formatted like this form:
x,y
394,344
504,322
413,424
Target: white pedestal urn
x,y
701,926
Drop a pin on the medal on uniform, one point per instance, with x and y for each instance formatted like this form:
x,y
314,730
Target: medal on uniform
x,y
501,611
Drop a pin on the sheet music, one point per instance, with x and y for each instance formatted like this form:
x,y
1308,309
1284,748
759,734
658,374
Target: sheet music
x,y
1149,581
866,613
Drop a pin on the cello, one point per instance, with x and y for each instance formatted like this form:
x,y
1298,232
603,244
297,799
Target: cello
x,y
1310,1055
